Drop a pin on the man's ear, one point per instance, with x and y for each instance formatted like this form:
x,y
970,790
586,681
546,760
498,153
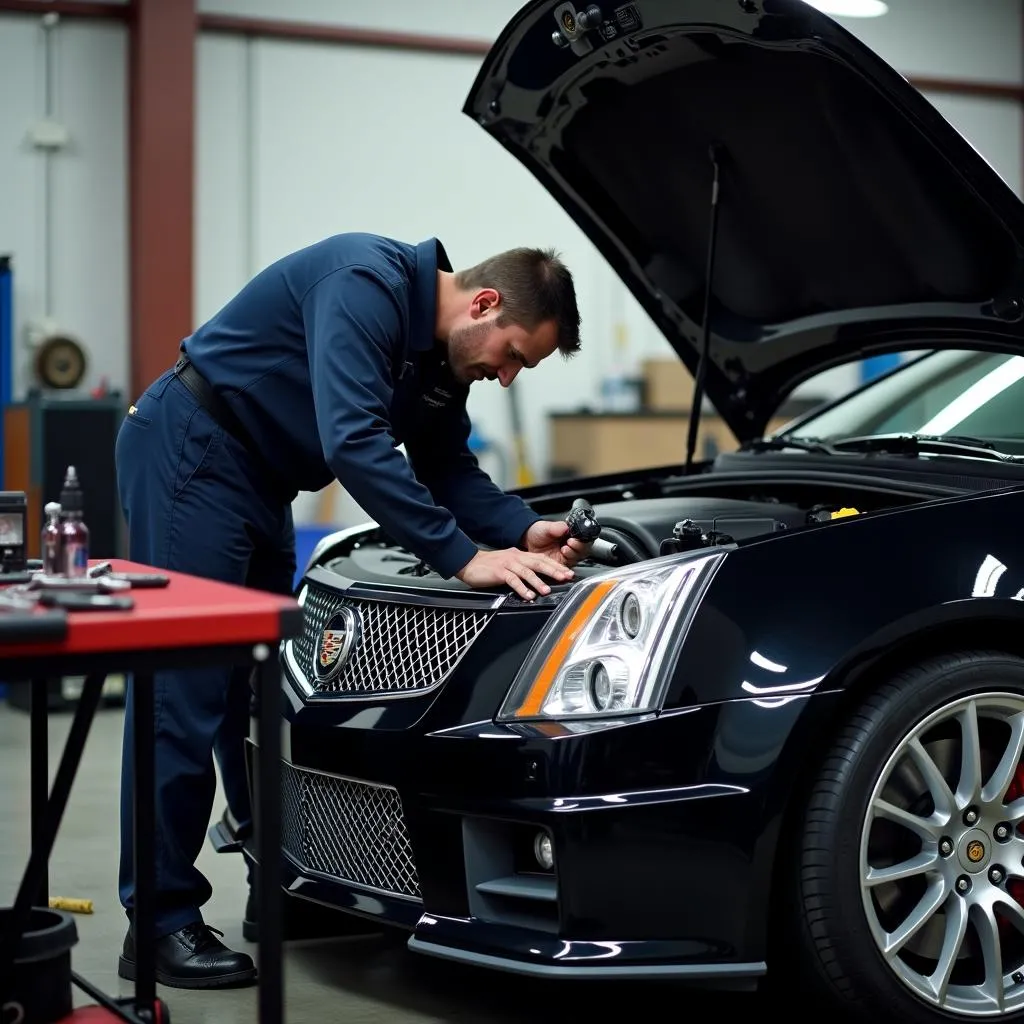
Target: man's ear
x,y
485,299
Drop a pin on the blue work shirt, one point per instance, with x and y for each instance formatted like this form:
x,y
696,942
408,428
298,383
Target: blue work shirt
x,y
329,360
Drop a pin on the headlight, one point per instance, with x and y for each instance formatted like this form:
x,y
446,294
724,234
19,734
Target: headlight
x,y
603,651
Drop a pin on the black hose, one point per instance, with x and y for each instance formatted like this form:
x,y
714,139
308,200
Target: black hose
x,y
622,544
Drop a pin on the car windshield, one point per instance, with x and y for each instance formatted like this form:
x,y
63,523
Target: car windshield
x,y
949,393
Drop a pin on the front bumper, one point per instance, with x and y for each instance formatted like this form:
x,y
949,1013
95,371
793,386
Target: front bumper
x,y
434,833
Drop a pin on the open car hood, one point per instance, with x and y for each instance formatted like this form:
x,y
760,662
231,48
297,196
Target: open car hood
x,y
852,218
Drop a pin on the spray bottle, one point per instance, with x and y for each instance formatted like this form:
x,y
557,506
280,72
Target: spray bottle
x,y
50,545
74,533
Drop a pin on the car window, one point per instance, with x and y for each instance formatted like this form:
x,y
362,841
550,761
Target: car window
x,y
952,392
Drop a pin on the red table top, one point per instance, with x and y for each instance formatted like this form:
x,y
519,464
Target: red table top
x,y
188,612
90,1015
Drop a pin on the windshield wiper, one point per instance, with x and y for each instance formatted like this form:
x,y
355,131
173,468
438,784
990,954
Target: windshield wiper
x,y
778,444
916,444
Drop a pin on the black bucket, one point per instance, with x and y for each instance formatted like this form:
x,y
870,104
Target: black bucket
x,y
41,982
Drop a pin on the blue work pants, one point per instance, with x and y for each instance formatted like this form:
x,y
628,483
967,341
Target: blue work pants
x,y
195,501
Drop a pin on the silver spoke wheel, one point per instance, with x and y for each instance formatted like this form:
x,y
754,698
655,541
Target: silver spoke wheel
x,y
942,857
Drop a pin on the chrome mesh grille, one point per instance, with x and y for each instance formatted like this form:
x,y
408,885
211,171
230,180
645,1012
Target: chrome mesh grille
x,y
401,647
349,830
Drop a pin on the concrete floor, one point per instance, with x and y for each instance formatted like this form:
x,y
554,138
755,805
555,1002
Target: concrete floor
x,y
355,980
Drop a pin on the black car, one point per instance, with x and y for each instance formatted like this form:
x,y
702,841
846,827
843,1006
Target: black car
x,y
775,727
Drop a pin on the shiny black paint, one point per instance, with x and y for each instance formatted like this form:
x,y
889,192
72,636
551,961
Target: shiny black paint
x,y
823,600
645,810
640,812
577,957
815,241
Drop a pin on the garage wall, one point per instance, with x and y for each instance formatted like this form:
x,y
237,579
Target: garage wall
x,y
80,280
298,140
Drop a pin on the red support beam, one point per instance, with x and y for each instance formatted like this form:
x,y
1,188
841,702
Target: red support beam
x,y
161,145
969,87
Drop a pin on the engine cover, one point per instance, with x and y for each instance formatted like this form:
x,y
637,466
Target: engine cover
x,y
651,520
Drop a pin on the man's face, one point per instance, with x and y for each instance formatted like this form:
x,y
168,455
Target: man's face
x,y
482,349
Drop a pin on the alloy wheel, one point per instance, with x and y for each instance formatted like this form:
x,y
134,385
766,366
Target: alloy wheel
x,y
942,857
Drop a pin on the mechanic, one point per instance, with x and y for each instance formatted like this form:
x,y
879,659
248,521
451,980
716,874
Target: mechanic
x,y
319,368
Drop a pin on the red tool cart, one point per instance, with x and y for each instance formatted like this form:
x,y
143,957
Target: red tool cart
x,y
190,622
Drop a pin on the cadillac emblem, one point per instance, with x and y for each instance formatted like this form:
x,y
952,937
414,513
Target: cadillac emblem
x,y
336,643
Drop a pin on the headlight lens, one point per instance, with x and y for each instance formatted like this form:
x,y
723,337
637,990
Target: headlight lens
x,y
603,651
631,614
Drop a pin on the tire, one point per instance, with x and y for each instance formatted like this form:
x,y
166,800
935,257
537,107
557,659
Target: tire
x,y
871,810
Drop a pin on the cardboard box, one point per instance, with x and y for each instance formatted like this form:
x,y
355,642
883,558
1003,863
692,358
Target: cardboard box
x,y
668,386
587,444
582,445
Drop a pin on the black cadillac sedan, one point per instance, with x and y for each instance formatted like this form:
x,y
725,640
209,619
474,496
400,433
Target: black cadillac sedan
x,y
774,729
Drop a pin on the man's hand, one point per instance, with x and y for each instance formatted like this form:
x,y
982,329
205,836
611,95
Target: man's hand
x,y
552,539
519,569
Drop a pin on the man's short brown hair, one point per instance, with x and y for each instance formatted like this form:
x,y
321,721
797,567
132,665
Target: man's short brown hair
x,y
535,286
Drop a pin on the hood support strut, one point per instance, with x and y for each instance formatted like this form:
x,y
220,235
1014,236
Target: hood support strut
x,y
714,153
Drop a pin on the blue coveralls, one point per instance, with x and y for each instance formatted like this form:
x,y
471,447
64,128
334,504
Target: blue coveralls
x,y
329,361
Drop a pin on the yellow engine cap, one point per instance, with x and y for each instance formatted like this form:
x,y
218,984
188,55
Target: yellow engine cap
x,y
845,512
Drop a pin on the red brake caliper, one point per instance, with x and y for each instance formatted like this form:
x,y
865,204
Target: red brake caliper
x,y
1015,885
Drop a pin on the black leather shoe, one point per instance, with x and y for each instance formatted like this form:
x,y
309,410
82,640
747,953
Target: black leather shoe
x,y
192,957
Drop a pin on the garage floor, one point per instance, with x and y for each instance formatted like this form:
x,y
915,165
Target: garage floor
x,y
352,980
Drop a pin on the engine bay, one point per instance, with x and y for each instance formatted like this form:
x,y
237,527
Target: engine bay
x,y
624,529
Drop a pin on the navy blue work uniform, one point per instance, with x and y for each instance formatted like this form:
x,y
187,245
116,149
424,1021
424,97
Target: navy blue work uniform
x,y
319,368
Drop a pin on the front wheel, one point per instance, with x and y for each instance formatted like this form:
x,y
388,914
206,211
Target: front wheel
x,y
911,868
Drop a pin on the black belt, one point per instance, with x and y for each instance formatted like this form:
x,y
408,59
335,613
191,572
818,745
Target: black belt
x,y
221,414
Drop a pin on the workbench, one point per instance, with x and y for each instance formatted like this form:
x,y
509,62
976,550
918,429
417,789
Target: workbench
x,y
190,623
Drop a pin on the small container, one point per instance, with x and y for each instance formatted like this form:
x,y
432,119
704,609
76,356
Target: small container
x,y
74,534
41,987
50,546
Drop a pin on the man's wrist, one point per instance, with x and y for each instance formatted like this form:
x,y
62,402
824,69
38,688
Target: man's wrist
x,y
522,542
453,558
459,573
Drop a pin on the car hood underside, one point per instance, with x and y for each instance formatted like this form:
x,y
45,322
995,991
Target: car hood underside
x,y
852,218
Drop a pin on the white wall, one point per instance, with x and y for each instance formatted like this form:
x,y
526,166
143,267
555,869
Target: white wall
x,y
87,275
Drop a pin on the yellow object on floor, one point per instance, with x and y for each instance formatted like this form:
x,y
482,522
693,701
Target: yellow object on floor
x,y
73,906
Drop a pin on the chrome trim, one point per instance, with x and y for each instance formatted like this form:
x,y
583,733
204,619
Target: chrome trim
x,y
403,593
348,616
336,538
751,969
306,687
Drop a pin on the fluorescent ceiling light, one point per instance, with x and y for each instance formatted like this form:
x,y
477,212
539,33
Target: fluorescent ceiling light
x,y
850,8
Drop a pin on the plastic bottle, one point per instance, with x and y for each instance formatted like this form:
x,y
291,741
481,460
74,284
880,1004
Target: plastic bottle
x,y
50,545
619,391
74,534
